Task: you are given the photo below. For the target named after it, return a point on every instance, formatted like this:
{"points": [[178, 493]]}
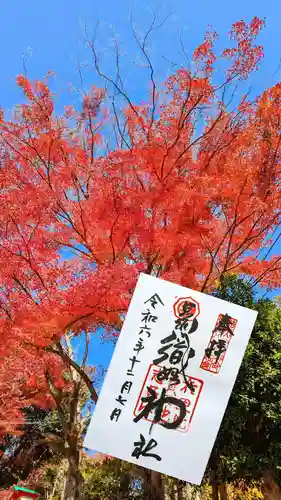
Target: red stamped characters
{"points": [[219, 343], [186, 307], [168, 404]]}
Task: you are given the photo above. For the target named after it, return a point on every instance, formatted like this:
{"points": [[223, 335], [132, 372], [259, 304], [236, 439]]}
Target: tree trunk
{"points": [[72, 426], [214, 484], [223, 491], [215, 491], [213, 463], [74, 480], [157, 485], [180, 487], [270, 489], [153, 485]]}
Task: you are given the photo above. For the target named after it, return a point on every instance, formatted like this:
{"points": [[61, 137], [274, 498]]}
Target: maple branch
{"points": [[111, 231], [116, 115], [6, 311], [267, 271], [26, 158], [142, 47], [86, 352], [181, 124], [87, 315], [207, 132], [229, 230], [219, 149], [121, 132], [234, 224], [249, 240], [231, 267], [106, 77], [213, 258], [92, 135], [57, 396], [198, 139], [46, 165], [151, 262], [28, 259], [75, 180], [272, 246], [59, 351], [83, 316], [74, 401], [74, 248], [25, 290], [65, 215]]}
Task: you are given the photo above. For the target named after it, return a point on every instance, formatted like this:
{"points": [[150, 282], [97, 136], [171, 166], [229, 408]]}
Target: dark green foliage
{"points": [[236, 290], [27, 451], [249, 441], [112, 479]]}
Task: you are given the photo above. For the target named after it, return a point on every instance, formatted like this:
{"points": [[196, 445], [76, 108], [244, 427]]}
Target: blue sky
{"points": [[51, 35]]}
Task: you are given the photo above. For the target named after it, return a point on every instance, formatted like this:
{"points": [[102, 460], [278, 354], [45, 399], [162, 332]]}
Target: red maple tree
{"points": [[189, 191]]}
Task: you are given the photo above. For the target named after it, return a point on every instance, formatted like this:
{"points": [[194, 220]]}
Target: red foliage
{"points": [[6, 494], [194, 194]]}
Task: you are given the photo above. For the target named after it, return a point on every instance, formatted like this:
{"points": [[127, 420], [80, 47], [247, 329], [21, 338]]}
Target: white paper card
{"points": [[170, 378]]}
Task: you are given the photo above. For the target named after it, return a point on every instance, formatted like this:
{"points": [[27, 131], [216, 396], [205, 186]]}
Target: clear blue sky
{"points": [[52, 35]]}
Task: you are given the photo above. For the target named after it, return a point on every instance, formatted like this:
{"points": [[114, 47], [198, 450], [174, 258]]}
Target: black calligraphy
{"points": [[217, 347], [157, 405], [143, 449], [148, 318], [154, 300], [224, 324]]}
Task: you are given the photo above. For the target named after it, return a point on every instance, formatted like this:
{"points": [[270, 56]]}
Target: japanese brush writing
{"points": [[219, 342], [170, 379], [169, 397], [176, 352], [148, 318]]}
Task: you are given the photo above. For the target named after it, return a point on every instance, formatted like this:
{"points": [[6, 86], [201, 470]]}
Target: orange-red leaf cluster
{"points": [[191, 190]]}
